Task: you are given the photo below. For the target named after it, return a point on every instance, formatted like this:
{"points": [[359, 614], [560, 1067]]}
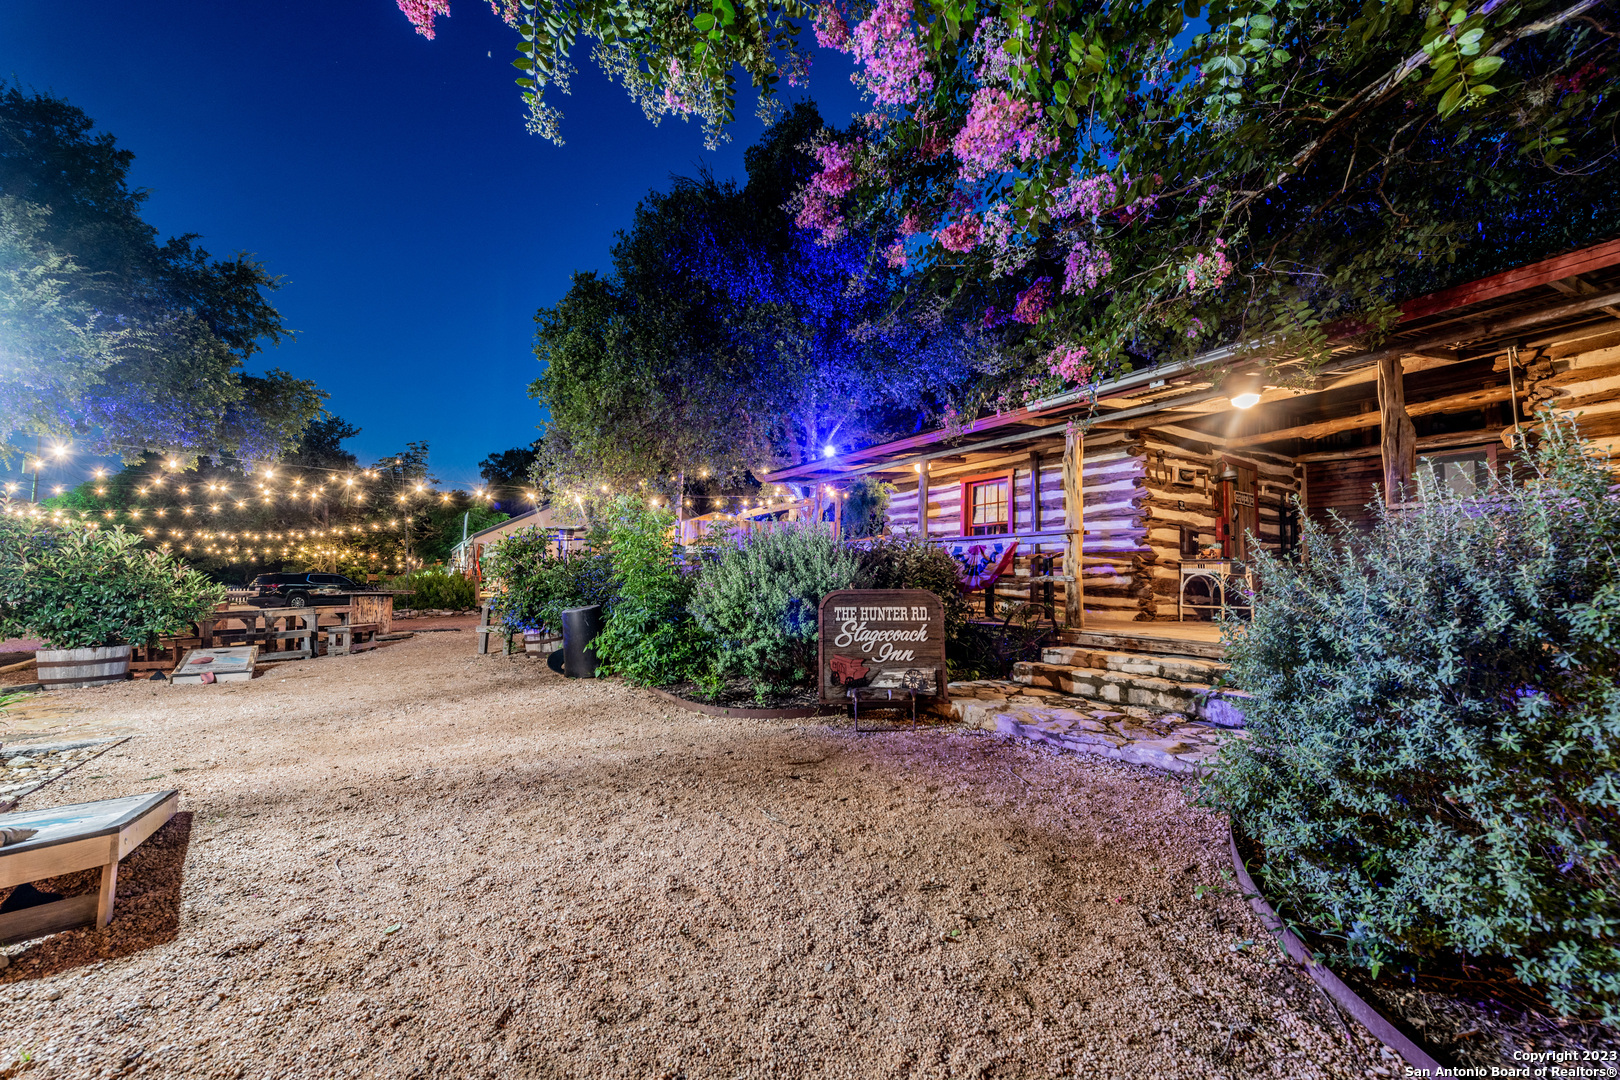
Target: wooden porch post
{"points": [[1034, 491], [922, 500], [1398, 436], [1074, 521]]}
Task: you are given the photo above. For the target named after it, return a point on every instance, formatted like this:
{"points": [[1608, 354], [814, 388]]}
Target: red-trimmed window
{"points": [[986, 501]]}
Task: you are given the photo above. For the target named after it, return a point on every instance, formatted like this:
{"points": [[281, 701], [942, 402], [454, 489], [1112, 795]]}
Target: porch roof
{"points": [[1570, 297]]}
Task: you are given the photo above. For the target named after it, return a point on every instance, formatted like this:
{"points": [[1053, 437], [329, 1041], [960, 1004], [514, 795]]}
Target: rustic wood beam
{"points": [[1425, 444], [1034, 491], [1398, 439], [1579, 375], [1474, 399], [922, 500], [1579, 286], [1074, 521]]}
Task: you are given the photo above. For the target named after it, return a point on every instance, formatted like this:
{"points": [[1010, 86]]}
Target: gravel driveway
{"points": [[419, 862]]}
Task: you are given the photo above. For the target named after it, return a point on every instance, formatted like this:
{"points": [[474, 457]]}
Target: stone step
{"points": [[1133, 641], [1193, 699], [1170, 743], [1175, 668]]}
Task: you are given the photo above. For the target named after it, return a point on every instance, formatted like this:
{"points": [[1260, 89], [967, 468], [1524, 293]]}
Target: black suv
{"points": [[296, 589]]}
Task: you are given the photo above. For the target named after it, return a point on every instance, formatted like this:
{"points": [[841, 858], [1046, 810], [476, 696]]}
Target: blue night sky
{"points": [[388, 179]]}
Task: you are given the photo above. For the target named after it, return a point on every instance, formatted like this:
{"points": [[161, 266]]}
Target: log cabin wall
{"points": [[1118, 578], [1580, 379], [1181, 484]]}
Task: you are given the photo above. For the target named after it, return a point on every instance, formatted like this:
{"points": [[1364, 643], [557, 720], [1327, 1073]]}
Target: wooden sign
{"points": [[881, 639]]}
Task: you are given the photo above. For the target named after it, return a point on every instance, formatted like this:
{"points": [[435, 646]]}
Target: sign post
{"points": [[881, 639]]}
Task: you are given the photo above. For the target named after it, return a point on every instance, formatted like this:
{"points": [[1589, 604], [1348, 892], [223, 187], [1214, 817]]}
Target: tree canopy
{"points": [[107, 334], [728, 339], [1113, 184]]}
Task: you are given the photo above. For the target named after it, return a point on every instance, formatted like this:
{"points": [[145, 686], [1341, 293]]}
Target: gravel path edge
{"points": [[799, 713], [1347, 999]]}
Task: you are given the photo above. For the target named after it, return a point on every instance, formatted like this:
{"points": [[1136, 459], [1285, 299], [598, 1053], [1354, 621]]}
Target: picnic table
{"points": [[284, 633], [71, 838], [281, 633]]}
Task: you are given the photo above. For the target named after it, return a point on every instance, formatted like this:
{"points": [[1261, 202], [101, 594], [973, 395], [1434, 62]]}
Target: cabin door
{"points": [[1240, 515]]}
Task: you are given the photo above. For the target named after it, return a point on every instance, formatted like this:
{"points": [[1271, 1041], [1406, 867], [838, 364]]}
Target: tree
{"points": [[728, 340], [507, 474], [1133, 182], [111, 336], [316, 509]]}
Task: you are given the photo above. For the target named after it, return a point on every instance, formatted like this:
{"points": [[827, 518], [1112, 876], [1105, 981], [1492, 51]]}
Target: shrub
{"points": [[435, 587], [866, 511], [79, 589], [535, 585], [909, 562], [649, 636], [758, 597], [1433, 764]]}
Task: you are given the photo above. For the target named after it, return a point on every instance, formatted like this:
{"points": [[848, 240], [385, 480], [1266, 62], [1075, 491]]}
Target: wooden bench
{"points": [[70, 839], [340, 640]]}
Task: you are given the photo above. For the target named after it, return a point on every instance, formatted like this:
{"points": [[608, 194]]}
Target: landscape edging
{"points": [[801, 712], [1347, 999]]}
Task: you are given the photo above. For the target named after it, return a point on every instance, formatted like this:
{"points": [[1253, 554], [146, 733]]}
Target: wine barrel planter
{"points": [[64, 669]]}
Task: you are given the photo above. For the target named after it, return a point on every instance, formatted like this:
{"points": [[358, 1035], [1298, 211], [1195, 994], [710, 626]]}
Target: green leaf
{"points": [[1281, 56], [1451, 98], [1485, 66], [704, 22]]}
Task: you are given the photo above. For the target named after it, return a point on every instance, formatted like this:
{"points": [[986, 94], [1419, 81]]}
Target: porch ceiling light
{"points": [[1245, 391]]}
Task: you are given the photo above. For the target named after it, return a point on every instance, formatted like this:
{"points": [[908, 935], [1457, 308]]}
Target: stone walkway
{"points": [[25, 769], [1166, 741]]}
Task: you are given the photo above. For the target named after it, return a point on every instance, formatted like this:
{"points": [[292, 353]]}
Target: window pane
{"points": [[1464, 474], [990, 503]]}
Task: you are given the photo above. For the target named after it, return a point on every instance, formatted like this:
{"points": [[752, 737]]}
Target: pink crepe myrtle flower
{"points": [[895, 255], [996, 65], [819, 199], [1210, 271], [885, 45], [913, 223], [1085, 266], [1085, 196], [999, 128], [421, 13], [1195, 327], [832, 32], [675, 91], [1071, 363], [961, 235], [1032, 303]]}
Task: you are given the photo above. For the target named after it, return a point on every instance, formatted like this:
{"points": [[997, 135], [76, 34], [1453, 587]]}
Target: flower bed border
{"points": [[800, 712], [1382, 1027]]}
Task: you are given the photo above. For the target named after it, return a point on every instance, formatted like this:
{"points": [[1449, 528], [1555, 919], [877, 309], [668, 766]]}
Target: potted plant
{"points": [[89, 594]]}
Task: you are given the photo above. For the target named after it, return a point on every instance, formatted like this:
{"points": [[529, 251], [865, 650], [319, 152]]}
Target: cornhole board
{"points": [[73, 838], [232, 663]]}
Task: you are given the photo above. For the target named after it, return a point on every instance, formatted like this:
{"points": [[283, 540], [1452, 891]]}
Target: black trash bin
{"points": [[580, 626]]}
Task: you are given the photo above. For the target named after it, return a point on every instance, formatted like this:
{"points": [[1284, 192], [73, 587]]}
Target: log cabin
{"points": [[1134, 501]]}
